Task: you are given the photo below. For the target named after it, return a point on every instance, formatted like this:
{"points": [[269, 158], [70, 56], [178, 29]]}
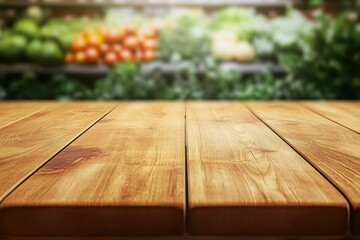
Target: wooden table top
{"points": [[177, 168]]}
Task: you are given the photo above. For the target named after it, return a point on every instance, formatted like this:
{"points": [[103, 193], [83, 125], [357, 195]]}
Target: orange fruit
{"points": [[95, 40], [130, 42], [111, 58], [127, 55], [92, 54], [150, 44], [80, 57], [148, 55], [116, 48], [104, 48], [79, 44], [114, 36]]}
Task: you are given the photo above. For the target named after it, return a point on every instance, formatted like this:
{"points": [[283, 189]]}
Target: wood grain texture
{"points": [[334, 150], [124, 176], [244, 180], [31, 141], [346, 114], [14, 111]]}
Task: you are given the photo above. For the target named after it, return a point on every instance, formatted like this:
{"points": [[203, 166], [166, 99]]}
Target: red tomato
{"points": [[104, 48], [95, 40], [131, 43], [127, 55], [79, 44], [80, 57], [148, 55], [150, 44], [116, 48], [114, 36], [111, 58], [92, 54]]}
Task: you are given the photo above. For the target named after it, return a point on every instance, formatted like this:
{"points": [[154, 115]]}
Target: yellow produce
{"points": [[226, 46], [244, 52]]}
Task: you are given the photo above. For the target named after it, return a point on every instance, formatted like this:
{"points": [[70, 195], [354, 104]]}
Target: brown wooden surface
{"points": [[244, 180], [14, 111], [124, 176], [346, 114], [29, 142], [333, 149]]}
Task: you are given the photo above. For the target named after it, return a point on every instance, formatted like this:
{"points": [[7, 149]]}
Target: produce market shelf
{"points": [[141, 3], [166, 68]]}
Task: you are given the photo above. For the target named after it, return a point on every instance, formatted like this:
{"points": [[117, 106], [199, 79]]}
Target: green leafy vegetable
{"points": [[325, 62], [187, 39], [244, 22]]}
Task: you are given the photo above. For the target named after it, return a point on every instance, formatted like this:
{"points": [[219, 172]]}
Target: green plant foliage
{"points": [[60, 87], [2, 89], [282, 34], [321, 57], [27, 87], [122, 82], [244, 22], [263, 86], [64, 88], [324, 63], [128, 81], [187, 39]]}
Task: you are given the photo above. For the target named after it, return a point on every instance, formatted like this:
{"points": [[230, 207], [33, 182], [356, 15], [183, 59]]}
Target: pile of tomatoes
{"points": [[92, 46]]}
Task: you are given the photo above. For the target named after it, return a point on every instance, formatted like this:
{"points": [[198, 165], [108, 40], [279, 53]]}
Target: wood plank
{"points": [[14, 111], [244, 180], [124, 176], [331, 148], [346, 114], [29, 142]]}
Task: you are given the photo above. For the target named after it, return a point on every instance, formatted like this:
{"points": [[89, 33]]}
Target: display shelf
{"points": [[166, 68], [253, 68], [97, 70]]}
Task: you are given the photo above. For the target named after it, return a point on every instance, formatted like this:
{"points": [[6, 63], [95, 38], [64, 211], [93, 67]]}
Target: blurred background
{"points": [[179, 49]]}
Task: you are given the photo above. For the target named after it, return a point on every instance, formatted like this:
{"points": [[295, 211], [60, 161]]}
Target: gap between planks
{"points": [[186, 171]]}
